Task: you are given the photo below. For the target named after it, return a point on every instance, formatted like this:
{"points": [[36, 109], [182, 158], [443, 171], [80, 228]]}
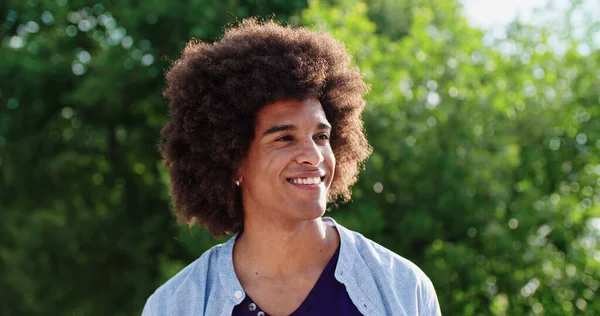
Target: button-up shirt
{"points": [[327, 297], [378, 281]]}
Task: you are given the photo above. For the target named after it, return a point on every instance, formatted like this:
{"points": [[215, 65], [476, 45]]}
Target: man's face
{"points": [[290, 164]]}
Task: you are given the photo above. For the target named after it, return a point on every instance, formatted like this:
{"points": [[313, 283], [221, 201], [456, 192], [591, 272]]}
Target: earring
{"points": [[237, 182]]}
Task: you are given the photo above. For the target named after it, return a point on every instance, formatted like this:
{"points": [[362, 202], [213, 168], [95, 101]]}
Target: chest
{"points": [[281, 297], [300, 297]]}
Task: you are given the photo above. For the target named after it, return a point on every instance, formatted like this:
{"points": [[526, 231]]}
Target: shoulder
{"points": [[398, 279], [189, 285], [378, 257]]}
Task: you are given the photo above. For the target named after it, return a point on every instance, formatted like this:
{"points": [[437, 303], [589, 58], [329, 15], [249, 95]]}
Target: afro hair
{"points": [[215, 91]]}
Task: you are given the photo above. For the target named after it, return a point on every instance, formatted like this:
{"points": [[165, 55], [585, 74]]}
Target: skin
{"points": [[285, 244]]}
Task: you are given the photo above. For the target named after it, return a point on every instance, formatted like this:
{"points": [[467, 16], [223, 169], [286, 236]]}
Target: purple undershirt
{"points": [[327, 297]]}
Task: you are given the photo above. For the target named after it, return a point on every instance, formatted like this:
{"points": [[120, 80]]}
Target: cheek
{"points": [[329, 157], [274, 161]]}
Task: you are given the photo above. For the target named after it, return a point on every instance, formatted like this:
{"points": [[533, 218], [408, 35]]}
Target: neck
{"points": [[276, 248]]}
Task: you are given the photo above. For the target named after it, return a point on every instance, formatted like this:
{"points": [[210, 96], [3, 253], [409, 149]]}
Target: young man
{"points": [[265, 130]]}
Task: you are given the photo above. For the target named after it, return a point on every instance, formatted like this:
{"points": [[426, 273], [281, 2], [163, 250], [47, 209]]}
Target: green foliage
{"points": [[85, 226], [485, 164], [485, 169]]}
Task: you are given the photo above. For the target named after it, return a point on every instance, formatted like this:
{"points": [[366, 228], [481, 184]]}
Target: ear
{"points": [[239, 175], [239, 170], [239, 180]]}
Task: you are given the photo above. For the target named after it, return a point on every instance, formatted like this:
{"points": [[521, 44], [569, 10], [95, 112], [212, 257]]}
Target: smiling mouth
{"points": [[307, 181]]}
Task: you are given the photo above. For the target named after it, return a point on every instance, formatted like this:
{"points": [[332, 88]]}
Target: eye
{"points": [[323, 136], [286, 138]]}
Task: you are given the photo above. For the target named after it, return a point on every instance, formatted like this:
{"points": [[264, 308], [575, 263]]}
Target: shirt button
{"points": [[237, 294], [252, 307], [260, 314]]}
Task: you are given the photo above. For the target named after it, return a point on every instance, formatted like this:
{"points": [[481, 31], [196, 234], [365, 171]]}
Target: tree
{"points": [[483, 169], [484, 172], [85, 223]]}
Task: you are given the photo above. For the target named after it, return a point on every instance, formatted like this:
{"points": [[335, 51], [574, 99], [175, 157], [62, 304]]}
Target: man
{"points": [[265, 130]]}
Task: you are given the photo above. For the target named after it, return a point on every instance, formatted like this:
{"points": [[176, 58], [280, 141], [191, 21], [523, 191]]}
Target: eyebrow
{"points": [[284, 128]]}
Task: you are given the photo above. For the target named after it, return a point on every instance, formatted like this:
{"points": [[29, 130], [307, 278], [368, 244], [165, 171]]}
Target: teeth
{"points": [[315, 180]]}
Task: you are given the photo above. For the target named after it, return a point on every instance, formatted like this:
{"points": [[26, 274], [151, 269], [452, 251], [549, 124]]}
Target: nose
{"points": [[310, 153]]}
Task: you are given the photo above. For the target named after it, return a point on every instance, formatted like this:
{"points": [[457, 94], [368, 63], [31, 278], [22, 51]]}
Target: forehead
{"points": [[290, 111]]}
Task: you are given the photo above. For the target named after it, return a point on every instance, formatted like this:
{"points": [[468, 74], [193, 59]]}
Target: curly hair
{"points": [[216, 89]]}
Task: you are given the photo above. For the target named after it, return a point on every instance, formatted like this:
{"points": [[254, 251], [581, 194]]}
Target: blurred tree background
{"points": [[485, 171]]}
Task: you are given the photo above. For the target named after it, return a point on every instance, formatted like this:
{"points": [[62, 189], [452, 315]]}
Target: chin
{"points": [[312, 212]]}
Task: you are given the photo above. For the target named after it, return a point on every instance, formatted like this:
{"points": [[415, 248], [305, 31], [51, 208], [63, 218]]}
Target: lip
{"points": [[312, 174], [309, 187], [309, 174]]}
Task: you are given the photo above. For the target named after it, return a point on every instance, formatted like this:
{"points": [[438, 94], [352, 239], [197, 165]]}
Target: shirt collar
{"points": [[349, 268], [354, 273], [231, 285]]}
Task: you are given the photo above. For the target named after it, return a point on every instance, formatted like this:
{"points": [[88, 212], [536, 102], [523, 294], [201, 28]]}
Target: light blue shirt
{"points": [[378, 281]]}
